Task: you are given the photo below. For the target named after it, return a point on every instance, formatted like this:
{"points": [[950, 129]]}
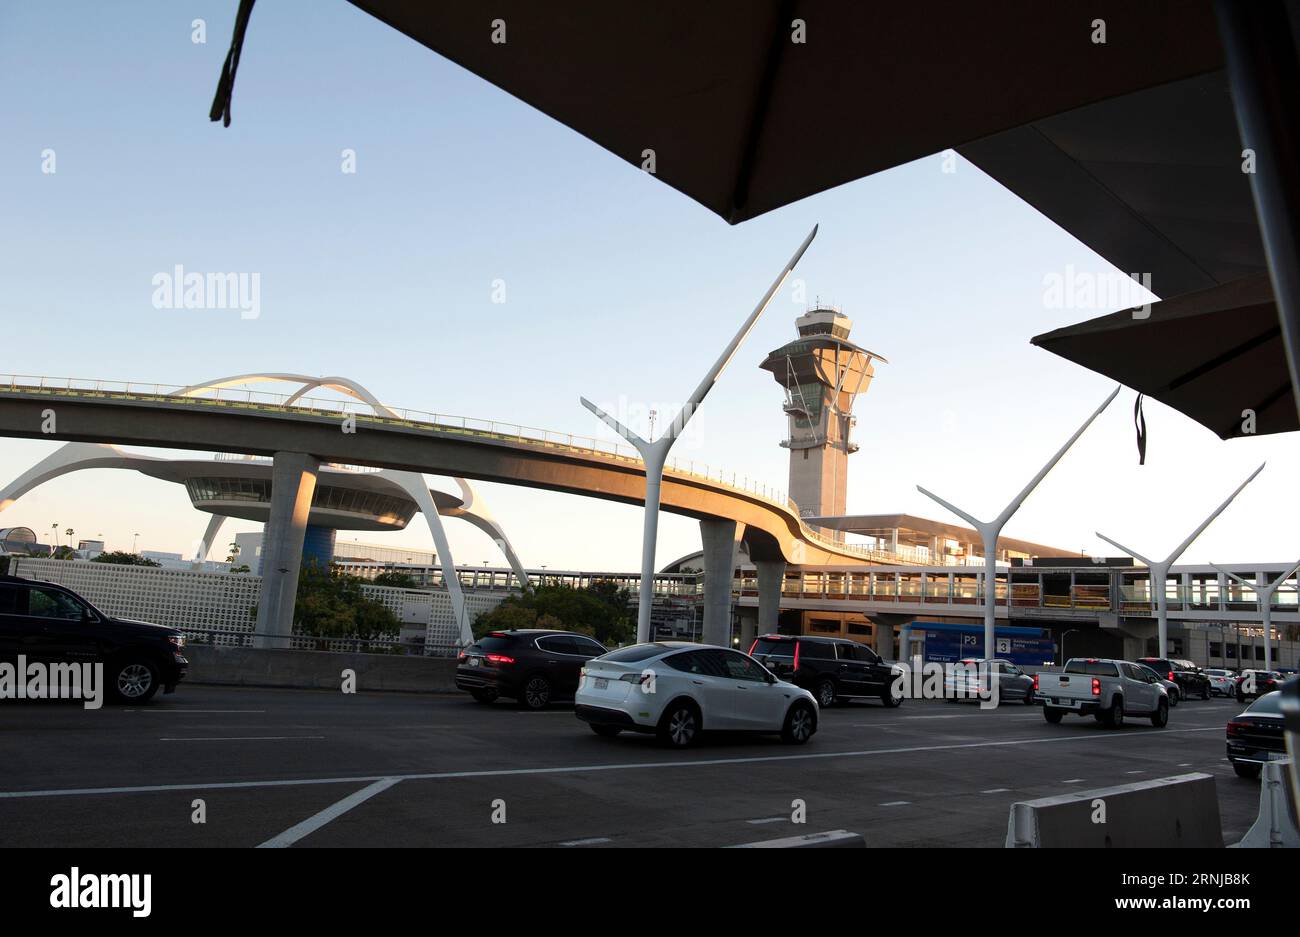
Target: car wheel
{"points": [[484, 696], [537, 692], [800, 724], [1114, 717], [888, 698], [1246, 769], [826, 694], [1052, 715], [606, 732], [1174, 697], [132, 680], [1160, 718], [679, 725], [1029, 697]]}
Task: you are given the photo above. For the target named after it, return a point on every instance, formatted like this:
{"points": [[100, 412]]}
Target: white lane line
{"points": [[186, 712], [997, 790], [953, 716], [895, 803], [578, 769], [768, 820], [250, 738], [1185, 764], [330, 813], [1072, 780], [1139, 771], [587, 842]]}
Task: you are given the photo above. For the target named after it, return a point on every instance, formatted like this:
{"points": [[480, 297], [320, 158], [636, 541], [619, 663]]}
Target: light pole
{"points": [[1264, 596], [989, 531], [1063, 634], [654, 453], [1159, 571]]}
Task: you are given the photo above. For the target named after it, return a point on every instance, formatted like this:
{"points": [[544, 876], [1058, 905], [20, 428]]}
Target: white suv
{"points": [[676, 690]]}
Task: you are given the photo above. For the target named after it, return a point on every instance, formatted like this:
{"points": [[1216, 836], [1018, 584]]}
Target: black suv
{"points": [[1191, 682], [832, 669], [47, 623], [533, 666]]}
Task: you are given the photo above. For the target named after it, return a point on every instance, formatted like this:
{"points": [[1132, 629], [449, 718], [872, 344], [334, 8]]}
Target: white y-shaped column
{"points": [[1159, 571], [414, 485], [205, 545], [989, 531], [473, 509], [1264, 595], [654, 454]]}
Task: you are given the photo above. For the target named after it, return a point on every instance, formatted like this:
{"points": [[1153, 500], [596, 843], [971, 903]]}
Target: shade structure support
{"points": [[1264, 73], [654, 454], [1264, 595], [1158, 570], [989, 531]]}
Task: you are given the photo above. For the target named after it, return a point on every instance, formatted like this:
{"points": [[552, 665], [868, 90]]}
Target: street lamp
{"points": [[1063, 634]]}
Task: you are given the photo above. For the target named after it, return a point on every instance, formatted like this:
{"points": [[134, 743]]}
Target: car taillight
{"points": [[462, 656], [1096, 687], [1237, 728], [1171, 676], [796, 655], [500, 659], [1035, 683], [637, 678], [752, 646]]}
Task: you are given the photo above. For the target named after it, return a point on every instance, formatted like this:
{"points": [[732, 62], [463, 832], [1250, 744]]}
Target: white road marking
{"points": [[587, 842], [332, 812], [249, 738], [189, 711], [1072, 780], [577, 769], [997, 790], [768, 820], [896, 803]]}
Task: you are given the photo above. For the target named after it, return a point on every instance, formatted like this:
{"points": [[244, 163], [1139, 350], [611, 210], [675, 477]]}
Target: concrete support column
{"points": [[771, 582], [904, 644], [884, 639], [721, 539], [293, 482]]}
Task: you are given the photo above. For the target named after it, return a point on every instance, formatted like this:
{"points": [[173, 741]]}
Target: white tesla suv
{"points": [[676, 690]]}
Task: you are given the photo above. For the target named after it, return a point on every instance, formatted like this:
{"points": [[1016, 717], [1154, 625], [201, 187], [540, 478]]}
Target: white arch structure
{"points": [[78, 456]]}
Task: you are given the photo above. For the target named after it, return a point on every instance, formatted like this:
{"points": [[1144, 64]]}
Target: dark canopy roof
{"points": [[744, 120], [1151, 180], [1212, 354]]}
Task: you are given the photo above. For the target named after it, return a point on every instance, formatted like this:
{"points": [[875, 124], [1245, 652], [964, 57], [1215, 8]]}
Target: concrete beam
{"points": [[721, 547], [293, 482]]}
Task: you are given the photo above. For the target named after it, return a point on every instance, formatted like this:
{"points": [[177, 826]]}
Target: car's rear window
{"points": [[637, 652], [1097, 668], [817, 650], [1270, 704], [773, 647], [494, 642]]}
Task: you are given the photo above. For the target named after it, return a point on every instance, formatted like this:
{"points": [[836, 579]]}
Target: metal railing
{"points": [[587, 446], [230, 637]]}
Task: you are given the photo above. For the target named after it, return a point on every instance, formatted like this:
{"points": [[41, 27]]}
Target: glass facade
{"points": [[387, 509]]}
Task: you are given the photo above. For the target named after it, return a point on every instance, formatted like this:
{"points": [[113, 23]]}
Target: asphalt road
{"points": [[319, 768]]}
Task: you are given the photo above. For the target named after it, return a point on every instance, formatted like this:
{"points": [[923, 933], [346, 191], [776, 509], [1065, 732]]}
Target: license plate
{"points": [[602, 683], [475, 661]]}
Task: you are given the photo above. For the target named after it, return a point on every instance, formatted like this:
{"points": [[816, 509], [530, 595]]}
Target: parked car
{"points": [[834, 670], [48, 623], [1172, 688], [676, 690], [1192, 682], [967, 682], [533, 666], [1106, 689], [1252, 684], [1222, 682], [1256, 736]]}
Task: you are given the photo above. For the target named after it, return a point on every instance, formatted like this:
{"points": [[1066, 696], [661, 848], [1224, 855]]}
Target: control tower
{"points": [[822, 372]]}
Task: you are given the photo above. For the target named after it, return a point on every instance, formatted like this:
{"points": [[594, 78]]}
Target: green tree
{"points": [[123, 558], [400, 580], [601, 611], [332, 605]]}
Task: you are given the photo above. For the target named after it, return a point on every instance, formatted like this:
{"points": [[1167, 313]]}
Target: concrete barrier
{"points": [[275, 667], [834, 839], [1276, 825], [1176, 811]]}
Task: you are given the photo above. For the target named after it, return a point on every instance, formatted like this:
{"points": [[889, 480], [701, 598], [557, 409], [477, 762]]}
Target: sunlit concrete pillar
{"points": [[771, 581], [293, 483], [721, 541]]}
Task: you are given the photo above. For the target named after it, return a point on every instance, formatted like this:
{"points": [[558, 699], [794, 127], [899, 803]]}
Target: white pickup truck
{"points": [[1108, 690]]}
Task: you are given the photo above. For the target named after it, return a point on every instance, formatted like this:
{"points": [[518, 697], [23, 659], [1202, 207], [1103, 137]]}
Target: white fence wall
{"points": [[197, 602]]}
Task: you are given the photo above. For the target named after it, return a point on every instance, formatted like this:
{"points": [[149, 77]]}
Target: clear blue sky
{"points": [[617, 287]]}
